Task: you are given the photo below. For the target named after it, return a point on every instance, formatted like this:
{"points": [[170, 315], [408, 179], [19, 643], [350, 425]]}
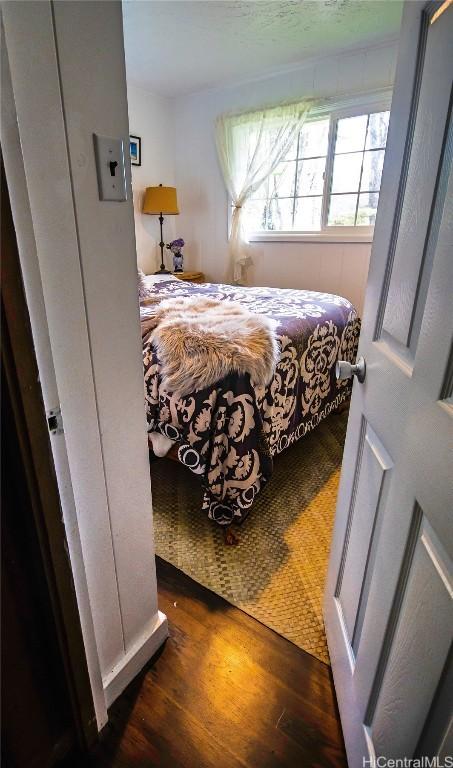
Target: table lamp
{"points": [[160, 200]]}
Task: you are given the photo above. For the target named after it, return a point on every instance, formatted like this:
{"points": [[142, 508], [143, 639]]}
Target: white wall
{"points": [[337, 268], [151, 118], [80, 264]]}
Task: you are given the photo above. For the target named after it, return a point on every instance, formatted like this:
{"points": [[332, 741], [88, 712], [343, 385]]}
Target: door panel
{"points": [[388, 604], [373, 470], [419, 648], [432, 106], [439, 723]]}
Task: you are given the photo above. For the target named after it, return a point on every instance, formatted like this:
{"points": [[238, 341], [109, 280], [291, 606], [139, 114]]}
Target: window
{"points": [[329, 181], [358, 159]]}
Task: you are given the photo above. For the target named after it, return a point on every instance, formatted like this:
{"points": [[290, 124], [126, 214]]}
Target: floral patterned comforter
{"points": [[229, 433]]}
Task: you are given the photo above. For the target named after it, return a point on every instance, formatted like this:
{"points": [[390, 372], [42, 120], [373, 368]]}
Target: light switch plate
{"points": [[111, 172]]}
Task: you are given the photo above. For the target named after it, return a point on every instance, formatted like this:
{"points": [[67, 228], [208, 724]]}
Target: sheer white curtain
{"points": [[250, 146]]}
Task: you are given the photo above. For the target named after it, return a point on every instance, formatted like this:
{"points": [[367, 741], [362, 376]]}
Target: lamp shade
{"points": [[160, 200]]}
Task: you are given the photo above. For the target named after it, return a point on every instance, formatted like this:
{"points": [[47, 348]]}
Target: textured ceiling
{"points": [[180, 46]]}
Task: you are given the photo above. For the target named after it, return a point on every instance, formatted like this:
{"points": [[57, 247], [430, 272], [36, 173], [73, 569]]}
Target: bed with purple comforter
{"points": [[229, 433]]}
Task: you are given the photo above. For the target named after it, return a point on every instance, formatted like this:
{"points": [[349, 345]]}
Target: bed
{"points": [[229, 433]]}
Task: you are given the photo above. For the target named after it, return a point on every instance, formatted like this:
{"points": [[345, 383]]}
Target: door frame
{"points": [[20, 366], [78, 263]]}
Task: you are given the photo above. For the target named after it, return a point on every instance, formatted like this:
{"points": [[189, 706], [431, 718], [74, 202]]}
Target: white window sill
{"points": [[311, 237]]}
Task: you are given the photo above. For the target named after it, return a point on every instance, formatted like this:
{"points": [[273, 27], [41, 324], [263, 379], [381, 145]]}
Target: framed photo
{"points": [[135, 148]]}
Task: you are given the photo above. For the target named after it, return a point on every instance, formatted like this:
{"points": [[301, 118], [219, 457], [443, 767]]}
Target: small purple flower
{"points": [[176, 245]]}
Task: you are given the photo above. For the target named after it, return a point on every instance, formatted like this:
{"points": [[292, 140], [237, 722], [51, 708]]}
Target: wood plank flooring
{"points": [[225, 692]]}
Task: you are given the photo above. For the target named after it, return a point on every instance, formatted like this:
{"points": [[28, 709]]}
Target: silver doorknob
{"points": [[345, 370]]}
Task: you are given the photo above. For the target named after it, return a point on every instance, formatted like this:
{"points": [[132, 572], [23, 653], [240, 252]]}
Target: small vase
{"points": [[178, 261]]}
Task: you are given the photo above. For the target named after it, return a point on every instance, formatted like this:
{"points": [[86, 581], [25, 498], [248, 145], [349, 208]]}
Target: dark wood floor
{"points": [[224, 692]]}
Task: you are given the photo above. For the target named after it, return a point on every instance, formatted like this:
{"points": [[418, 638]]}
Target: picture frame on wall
{"points": [[135, 149]]}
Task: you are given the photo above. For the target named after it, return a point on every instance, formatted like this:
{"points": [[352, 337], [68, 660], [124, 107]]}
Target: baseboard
{"points": [[135, 659]]}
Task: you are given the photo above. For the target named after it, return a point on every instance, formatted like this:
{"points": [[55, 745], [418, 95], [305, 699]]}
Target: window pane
{"points": [[372, 170], [280, 214], [281, 182], [268, 215], [377, 130], [346, 172], [307, 214], [351, 134], [292, 152], [342, 210], [261, 192], [310, 179], [366, 212], [313, 139], [256, 215]]}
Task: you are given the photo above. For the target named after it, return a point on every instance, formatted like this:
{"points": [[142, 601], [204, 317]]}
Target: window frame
{"points": [[329, 233]]}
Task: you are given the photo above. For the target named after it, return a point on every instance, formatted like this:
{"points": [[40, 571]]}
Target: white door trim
{"points": [[81, 283], [20, 206]]}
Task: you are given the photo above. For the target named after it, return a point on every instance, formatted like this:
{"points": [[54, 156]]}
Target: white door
{"points": [[388, 602]]}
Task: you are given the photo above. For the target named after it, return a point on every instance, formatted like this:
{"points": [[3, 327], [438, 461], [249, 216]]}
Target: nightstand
{"points": [[193, 277]]}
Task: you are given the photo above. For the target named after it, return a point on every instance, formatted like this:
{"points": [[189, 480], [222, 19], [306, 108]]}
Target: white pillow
{"points": [[151, 279], [146, 283]]}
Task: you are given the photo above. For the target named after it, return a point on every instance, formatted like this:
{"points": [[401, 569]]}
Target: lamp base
{"points": [[162, 272]]}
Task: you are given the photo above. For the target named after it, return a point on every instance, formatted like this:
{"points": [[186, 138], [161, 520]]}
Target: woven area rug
{"points": [[277, 572]]}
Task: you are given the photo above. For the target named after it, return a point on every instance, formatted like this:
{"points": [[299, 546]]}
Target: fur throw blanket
{"points": [[200, 340]]}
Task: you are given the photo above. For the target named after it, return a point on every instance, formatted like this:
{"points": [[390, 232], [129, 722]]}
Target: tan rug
{"points": [[277, 572]]}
